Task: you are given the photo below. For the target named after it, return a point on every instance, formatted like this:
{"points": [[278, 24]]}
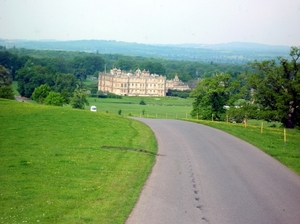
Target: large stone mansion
{"points": [[139, 83]]}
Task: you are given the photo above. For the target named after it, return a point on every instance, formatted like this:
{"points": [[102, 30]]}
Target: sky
{"points": [[273, 22]]}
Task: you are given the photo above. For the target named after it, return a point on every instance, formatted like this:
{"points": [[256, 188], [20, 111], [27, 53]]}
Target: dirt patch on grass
{"points": [[131, 149]]}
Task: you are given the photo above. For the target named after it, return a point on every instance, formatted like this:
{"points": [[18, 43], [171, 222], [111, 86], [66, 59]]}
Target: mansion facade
{"points": [[139, 83]]}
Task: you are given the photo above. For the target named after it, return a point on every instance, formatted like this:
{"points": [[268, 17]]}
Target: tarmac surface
{"points": [[204, 175]]}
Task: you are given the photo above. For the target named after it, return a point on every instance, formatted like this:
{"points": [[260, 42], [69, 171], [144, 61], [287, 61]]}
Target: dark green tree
{"points": [[66, 96], [142, 102], [84, 66], [60, 64], [277, 88], [211, 94], [126, 65], [5, 77], [239, 89], [94, 63], [11, 62], [32, 76], [80, 74], [65, 82], [154, 67], [7, 92]]}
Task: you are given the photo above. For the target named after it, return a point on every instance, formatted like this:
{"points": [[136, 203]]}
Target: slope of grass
{"points": [[60, 165], [270, 140]]}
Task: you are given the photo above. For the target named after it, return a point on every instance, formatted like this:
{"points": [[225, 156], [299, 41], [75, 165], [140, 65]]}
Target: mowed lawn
{"points": [[156, 107], [61, 165]]}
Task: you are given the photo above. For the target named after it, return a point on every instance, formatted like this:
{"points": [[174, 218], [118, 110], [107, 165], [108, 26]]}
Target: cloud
{"points": [[153, 21]]}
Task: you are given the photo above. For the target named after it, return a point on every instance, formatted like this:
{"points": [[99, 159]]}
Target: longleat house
{"points": [[139, 83]]}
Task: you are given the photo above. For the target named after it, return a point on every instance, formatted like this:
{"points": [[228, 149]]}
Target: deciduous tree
{"points": [[54, 99], [79, 99], [5, 77], [40, 93], [211, 94], [154, 67], [84, 66], [32, 76], [126, 65], [65, 82], [277, 88], [7, 92]]}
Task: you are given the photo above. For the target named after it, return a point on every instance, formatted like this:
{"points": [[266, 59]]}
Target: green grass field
{"points": [[61, 165], [156, 107]]}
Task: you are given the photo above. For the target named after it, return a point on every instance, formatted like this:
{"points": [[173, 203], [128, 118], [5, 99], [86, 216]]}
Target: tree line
{"points": [[67, 61], [58, 75], [266, 90], [65, 71], [271, 92]]}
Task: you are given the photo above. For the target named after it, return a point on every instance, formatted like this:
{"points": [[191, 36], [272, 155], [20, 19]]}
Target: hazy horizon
{"points": [[158, 44]]}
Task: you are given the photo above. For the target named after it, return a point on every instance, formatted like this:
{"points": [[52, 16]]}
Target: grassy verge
{"points": [[57, 166], [270, 140]]}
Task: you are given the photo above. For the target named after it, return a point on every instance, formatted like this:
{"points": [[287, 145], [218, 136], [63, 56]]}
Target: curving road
{"points": [[204, 175]]}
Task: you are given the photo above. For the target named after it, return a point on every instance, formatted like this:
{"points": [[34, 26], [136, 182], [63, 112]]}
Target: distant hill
{"points": [[234, 52], [240, 46]]}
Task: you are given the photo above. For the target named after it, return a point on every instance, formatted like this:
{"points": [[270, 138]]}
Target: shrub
{"points": [[54, 99], [79, 99], [40, 93], [142, 102], [7, 92]]}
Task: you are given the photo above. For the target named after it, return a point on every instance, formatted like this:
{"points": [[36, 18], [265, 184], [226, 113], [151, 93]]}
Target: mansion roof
{"points": [[137, 73]]}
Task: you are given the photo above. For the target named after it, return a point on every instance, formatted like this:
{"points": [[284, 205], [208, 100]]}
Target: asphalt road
{"points": [[204, 175]]}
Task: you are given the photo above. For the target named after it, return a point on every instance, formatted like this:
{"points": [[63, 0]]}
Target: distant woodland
{"points": [[83, 64], [267, 89]]}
